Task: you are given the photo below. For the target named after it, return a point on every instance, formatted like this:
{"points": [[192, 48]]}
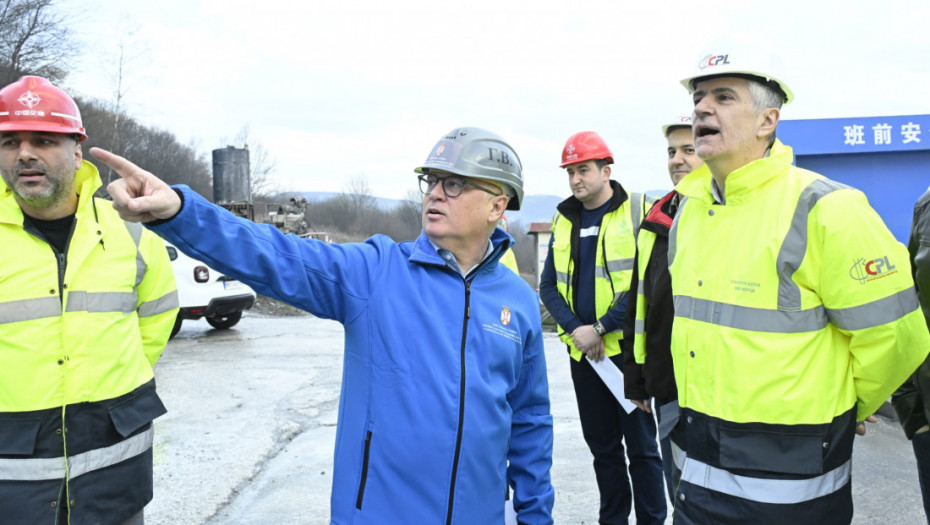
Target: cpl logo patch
{"points": [[865, 271], [440, 149], [714, 60], [505, 316]]}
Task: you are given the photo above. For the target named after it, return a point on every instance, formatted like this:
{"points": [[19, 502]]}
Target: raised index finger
{"points": [[120, 165]]}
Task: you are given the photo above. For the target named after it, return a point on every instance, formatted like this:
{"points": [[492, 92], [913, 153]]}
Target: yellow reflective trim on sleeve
{"points": [[163, 304], [875, 313]]}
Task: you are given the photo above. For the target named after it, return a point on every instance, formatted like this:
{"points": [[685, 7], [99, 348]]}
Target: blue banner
{"points": [[856, 135]]}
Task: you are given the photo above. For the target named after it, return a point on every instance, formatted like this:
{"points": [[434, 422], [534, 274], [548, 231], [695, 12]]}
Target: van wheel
{"points": [[223, 322], [176, 328]]}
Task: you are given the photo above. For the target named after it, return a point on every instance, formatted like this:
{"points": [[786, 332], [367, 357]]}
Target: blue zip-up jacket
{"points": [[444, 379]]}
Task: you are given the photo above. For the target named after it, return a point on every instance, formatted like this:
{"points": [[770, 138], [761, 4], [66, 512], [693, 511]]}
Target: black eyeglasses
{"points": [[452, 186]]}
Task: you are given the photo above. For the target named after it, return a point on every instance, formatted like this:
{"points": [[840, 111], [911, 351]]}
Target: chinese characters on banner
{"points": [[882, 134]]}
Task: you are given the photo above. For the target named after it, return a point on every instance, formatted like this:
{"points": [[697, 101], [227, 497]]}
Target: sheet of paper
{"points": [[613, 378], [510, 517]]}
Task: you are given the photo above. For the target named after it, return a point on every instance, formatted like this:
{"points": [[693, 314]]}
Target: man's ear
{"points": [[498, 207], [78, 156], [607, 171], [770, 118]]}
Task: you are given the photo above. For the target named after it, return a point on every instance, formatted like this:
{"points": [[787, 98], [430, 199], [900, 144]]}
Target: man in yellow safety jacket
{"points": [[86, 305], [584, 285], [647, 330], [795, 311]]}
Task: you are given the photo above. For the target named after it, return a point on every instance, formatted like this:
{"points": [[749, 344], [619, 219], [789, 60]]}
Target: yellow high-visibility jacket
{"points": [[79, 334], [795, 316], [510, 261], [613, 266]]}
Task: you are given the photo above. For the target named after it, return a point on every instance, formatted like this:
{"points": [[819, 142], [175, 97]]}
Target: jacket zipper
{"points": [[458, 437], [361, 485]]}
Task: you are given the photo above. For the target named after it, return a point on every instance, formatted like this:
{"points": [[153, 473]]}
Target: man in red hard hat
{"points": [[584, 284], [86, 305]]}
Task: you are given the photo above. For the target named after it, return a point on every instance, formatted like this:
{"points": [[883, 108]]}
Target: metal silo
{"points": [[231, 183]]}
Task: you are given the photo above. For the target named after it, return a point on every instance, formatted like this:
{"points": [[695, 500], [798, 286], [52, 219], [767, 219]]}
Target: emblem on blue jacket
{"points": [[505, 316]]}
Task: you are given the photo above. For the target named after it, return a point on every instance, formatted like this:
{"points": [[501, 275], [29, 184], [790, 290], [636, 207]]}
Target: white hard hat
{"points": [[739, 56], [683, 121]]}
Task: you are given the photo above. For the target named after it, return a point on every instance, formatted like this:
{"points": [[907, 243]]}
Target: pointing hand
{"points": [[138, 195]]}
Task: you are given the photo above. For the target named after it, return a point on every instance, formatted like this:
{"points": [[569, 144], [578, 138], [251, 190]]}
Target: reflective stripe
{"points": [[29, 309], [747, 318], [678, 455], [673, 232], [620, 265], [97, 302], [37, 469], [636, 211], [135, 231], [141, 268], [562, 277], [620, 296], [640, 326], [793, 248], [877, 312], [165, 303], [778, 491]]}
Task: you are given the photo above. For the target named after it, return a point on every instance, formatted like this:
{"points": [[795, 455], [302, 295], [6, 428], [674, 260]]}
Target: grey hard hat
{"points": [[476, 152]]}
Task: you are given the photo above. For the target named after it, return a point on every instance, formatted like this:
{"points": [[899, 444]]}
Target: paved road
{"points": [[249, 435]]}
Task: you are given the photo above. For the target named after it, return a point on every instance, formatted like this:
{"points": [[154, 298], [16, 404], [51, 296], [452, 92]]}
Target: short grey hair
{"points": [[765, 96]]}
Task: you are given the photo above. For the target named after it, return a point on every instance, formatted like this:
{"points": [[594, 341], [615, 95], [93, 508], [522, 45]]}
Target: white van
{"points": [[205, 292]]}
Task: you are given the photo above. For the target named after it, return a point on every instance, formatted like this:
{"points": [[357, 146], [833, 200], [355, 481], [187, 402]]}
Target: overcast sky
{"points": [[334, 90]]}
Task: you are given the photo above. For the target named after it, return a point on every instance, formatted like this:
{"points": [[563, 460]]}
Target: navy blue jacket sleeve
{"points": [[555, 303]]}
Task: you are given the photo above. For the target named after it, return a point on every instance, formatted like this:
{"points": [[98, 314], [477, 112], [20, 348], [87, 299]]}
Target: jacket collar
{"points": [[660, 216], [86, 182], [744, 183], [424, 253]]}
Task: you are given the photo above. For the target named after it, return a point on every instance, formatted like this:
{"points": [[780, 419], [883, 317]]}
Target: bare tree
{"points": [[128, 53], [358, 193], [34, 39], [261, 164]]}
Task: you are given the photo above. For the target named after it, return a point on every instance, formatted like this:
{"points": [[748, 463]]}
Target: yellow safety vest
{"points": [[645, 240], [613, 267], [794, 311], [97, 336], [510, 261]]}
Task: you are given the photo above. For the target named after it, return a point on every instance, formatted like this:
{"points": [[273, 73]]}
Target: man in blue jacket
{"points": [[445, 397]]}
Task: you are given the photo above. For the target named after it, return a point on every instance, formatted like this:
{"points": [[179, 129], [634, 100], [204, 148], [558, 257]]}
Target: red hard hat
{"points": [[584, 146], [34, 104]]}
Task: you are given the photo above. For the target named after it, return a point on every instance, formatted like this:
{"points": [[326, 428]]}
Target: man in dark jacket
{"points": [[647, 356], [912, 400]]}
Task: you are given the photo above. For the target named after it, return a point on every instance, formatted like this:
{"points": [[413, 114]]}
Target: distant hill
{"points": [[535, 208]]}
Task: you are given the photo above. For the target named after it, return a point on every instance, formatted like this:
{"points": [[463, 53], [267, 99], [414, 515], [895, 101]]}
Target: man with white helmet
{"points": [[647, 331], [87, 303], [444, 380], [584, 285], [795, 311]]}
